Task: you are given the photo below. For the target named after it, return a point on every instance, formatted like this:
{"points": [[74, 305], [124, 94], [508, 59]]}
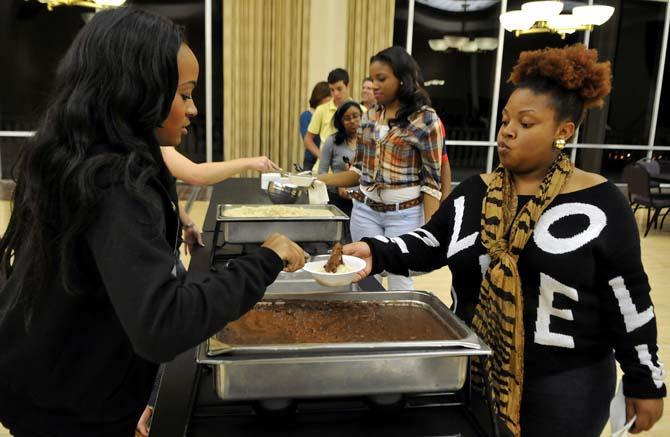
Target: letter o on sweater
{"points": [[551, 244]]}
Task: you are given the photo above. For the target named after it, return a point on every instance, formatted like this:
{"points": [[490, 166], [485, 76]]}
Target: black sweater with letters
{"points": [[585, 291], [90, 360]]}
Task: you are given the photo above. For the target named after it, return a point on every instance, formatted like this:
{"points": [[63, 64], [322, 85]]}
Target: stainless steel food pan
{"points": [[461, 335], [300, 229], [323, 372]]}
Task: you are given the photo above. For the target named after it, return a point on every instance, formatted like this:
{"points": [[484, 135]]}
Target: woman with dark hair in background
{"points": [[90, 301], [398, 160], [320, 95], [339, 150], [546, 263]]}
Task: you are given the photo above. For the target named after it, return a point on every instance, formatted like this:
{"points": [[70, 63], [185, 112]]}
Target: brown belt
{"points": [[384, 207]]}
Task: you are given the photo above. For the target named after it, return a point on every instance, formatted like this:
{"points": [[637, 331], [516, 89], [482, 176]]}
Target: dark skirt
{"points": [[571, 403]]}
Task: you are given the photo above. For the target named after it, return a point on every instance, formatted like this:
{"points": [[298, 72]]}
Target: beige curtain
{"points": [[369, 30], [265, 63]]}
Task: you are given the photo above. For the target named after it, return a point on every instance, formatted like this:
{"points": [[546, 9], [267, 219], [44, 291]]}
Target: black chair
{"points": [[664, 166], [653, 168], [639, 194]]}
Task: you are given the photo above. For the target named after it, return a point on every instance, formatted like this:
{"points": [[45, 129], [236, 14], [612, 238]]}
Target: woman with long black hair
{"points": [[90, 301], [398, 160]]}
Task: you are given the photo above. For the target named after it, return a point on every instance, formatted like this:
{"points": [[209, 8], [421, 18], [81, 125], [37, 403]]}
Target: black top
{"points": [[585, 291], [92, 359]]}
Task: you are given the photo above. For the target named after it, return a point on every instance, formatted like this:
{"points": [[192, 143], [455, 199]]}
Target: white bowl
{"points": [[301, 180], [315, 268]]}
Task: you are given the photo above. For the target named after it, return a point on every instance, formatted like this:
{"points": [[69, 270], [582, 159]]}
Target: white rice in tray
{"points": [[276, 211]]}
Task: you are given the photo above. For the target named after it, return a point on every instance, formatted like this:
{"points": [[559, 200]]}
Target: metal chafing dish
{"points": [[345, 369], [301, 229]]}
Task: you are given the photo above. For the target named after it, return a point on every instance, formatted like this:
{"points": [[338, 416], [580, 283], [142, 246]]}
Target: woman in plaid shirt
{"points": [[397, 163]]}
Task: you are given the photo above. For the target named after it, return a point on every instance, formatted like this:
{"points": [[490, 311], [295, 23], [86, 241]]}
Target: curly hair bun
{"points": [[573, 68]]}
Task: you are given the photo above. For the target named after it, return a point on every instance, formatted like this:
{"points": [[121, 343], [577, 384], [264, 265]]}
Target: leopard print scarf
{"points": [[498, 317]]}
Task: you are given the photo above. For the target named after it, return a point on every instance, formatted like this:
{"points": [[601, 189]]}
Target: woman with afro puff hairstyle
{"points": [[546, 263]]}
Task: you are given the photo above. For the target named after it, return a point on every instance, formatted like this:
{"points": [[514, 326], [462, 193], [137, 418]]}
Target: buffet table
{"points": [[188, 405]]}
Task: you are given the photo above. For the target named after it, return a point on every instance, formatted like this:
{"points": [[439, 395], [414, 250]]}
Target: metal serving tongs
{"points": [[299, 171], [283, 173]]}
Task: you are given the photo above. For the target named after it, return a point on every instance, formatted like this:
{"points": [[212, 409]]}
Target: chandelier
{"points": [[463, 44], [467, 44], [95, 4], [459, 5], [545, 16]]}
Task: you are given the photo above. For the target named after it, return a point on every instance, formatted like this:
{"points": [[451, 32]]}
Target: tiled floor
{"points": [[655, 254]]}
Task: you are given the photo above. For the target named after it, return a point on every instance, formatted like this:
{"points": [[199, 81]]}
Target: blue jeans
{"points": [[366, 222]]}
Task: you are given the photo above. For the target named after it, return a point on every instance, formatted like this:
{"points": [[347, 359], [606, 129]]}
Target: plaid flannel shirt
{"points": [[405, 157]]}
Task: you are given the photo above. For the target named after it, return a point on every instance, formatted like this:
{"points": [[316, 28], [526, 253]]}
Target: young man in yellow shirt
{"points": [[321, 124]]}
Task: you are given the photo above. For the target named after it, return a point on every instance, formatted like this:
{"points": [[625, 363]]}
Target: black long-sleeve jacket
{"points": [[92, 359]]}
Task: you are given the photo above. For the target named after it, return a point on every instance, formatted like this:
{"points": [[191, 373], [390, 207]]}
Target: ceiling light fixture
{"points": [[459, 5], [545, 16], [95, 4], [463, 44]]}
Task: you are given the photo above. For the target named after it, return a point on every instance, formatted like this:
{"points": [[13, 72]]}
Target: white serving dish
{"points": [[315, 268]]}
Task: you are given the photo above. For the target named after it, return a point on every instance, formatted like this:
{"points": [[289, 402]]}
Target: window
{"points": [[459, 73], [662, 137], [35, 40], [400, 23], [631, 40]]}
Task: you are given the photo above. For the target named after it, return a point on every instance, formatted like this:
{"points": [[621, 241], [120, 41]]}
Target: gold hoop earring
{"points": [[559, 143]]}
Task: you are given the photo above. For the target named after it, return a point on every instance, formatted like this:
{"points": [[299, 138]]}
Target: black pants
{"points": [[346, 205], [119, 429], [26, 420], [308, 162], [571, 403]]}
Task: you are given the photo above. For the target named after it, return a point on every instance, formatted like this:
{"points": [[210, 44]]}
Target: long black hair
{"points": [[411, 94], [114, 86], [341, 134]]}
